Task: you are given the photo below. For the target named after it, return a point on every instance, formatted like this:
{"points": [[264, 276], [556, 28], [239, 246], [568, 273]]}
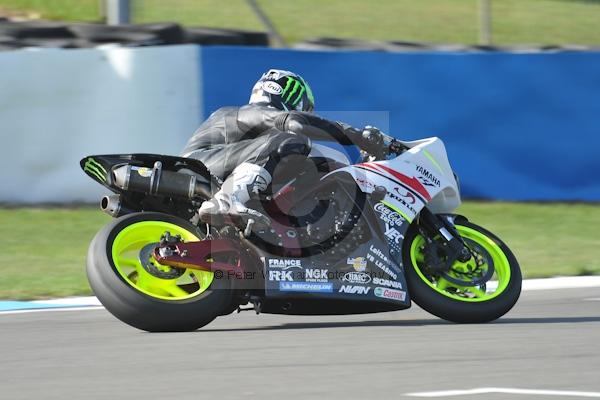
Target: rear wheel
{"points": [[479, 290], [142, 293]]}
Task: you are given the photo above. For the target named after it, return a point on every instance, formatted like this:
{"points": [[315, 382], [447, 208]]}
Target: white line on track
{"points": [[38, 310], [449, 393], [71, 301], [598, 299], [562, 282]]}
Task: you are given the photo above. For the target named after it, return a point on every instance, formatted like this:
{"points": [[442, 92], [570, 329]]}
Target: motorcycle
{"points": [[345, 239]]}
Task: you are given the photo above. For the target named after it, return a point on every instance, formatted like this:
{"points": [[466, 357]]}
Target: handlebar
{"points": [[382, 144], [397, 147]]}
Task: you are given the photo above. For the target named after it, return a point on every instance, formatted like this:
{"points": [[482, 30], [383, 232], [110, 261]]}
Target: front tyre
{"points": [[480, 290], [144, 294]]}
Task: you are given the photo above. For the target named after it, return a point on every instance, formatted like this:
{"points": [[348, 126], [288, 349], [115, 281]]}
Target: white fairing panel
{"points": [[420, 176]]}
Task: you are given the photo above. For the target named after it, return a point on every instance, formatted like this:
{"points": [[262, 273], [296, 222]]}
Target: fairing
{"points": [[370, 273], [420, 176], [320, 150], [373, 272]]}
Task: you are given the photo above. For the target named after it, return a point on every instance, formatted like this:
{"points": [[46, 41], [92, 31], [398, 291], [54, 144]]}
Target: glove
{"points": [[396, 147], [378, 143], [373, 141]]}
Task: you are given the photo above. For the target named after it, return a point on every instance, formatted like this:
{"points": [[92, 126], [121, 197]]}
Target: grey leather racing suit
{"points": [[261, 135]]}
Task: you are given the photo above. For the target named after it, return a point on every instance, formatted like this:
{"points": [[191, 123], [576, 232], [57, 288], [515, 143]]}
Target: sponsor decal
{"points": [[354, 289], [284, 264], [143, 171], [305, 287], [388, 215], [427, 178], [387, 282], [358, 263], [393, 234], [390, 293], [378, 253], [293, 91], [315, 275], [402, 201], [272, 87], [356, 277], [409, 182], [95, 169], [280, 276], [272, 74], [365, 185], [410, 198], [385, 268]]}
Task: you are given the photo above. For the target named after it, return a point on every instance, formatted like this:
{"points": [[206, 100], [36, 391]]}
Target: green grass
{"points": [[547, 239], [43, 250], [441, 21], [72, 10]]}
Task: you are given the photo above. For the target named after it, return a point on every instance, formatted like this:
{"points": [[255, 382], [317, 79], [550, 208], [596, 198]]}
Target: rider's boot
{"points": [[228, 205]]}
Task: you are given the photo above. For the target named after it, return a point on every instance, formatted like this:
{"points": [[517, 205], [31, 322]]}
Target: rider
{"points": [[242, 145]]}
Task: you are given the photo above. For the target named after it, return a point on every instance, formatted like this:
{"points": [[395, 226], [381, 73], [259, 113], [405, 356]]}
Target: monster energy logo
{"points": [[94, 168], [291, 87]]}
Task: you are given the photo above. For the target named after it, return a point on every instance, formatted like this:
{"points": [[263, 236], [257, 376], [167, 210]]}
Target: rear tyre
{"points": [[454, 296], [144, 294]]}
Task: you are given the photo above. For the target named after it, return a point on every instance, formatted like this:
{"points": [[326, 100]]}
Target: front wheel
{"points": [[480, 290], [144, 294]]}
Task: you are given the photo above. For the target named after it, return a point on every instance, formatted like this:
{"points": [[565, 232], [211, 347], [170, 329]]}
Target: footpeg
{"points": [[256, 305], [248, 230]]}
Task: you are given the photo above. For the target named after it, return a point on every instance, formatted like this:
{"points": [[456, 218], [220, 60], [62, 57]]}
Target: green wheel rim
{"points": [[480, 293], [126, 249]]}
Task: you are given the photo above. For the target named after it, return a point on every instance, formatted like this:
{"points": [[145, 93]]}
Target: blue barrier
{"points": [[516, 126]]}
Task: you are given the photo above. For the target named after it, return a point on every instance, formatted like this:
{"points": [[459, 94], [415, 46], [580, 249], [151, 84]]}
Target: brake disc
{"points": [[481, 257], [154, 268]]}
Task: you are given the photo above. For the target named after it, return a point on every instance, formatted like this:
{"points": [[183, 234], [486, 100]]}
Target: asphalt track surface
{"points": [[550, 341]]}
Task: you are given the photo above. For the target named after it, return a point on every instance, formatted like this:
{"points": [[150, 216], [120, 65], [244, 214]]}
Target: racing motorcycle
{"points": [[345, 239]]}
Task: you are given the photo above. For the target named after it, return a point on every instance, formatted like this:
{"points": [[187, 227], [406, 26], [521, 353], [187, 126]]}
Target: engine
{"points": [[335, 223]]}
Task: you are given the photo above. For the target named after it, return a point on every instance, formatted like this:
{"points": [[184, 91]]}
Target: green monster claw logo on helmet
{"points": [[283, 90]]}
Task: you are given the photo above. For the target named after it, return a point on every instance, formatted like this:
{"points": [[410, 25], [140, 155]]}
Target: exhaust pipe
{"points": [[112, 206], [156, 181]]}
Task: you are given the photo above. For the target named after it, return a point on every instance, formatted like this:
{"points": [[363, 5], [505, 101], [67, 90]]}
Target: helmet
{"points": [[283, 90]]}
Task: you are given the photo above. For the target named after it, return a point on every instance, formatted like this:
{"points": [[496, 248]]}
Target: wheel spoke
{"points": [[143, 279], [174, 290], [204, 279], [442, 284], [485, 276], [133, 242], [130, 262], [476, 291]]}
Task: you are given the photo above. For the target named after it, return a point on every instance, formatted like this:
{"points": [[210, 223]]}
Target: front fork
{"points": [[443, 238]]}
